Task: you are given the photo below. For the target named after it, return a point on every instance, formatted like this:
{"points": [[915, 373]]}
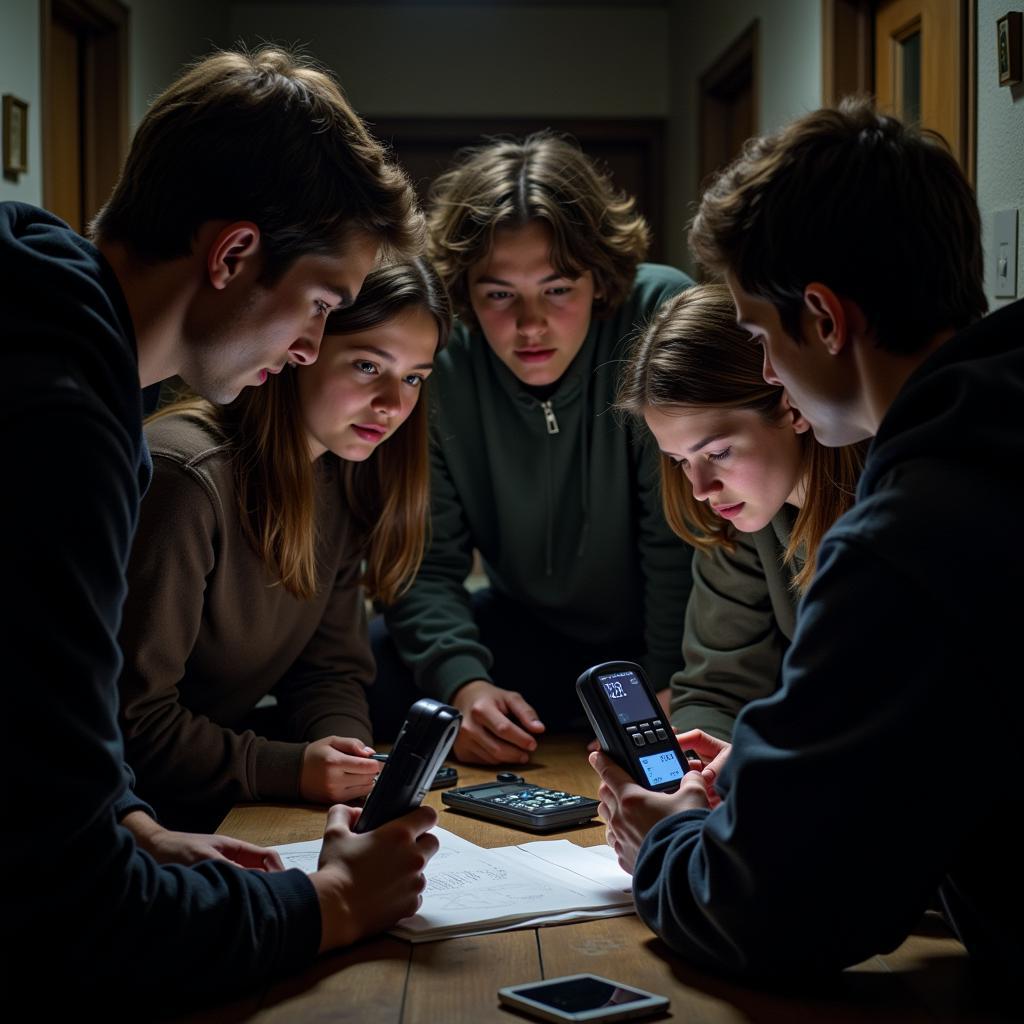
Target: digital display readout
{"points": [[627, 698], [661, 768]]}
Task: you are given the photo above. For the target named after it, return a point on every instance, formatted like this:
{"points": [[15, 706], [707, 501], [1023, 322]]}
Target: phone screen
{"points": [[625, 694], [579, 994], [659, 768]]}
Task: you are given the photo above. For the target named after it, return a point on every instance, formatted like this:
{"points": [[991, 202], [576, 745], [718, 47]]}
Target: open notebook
{"points": [[471, 890]]}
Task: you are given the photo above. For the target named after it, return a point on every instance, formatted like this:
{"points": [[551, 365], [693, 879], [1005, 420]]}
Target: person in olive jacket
{"points": [[745, 482]]}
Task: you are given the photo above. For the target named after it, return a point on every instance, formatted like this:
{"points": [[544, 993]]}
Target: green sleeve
{"points": [[732, 645], [432, 624]]}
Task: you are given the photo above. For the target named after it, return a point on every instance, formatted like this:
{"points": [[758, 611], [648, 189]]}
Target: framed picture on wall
{"points": [[1008, 40], [15, 132]]}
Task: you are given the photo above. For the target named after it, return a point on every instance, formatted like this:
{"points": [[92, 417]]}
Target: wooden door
{"points": [[919, 55], [915, 56]]}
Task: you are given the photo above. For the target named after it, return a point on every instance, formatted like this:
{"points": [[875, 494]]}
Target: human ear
{"points": [[827, 317], [796, 417], [233, 249]]}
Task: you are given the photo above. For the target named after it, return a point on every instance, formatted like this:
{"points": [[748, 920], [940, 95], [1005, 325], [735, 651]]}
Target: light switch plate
{"points": [[1004, 252]]}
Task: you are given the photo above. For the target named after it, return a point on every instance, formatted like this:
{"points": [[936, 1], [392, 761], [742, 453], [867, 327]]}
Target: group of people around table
{"points": [[765, 489]]}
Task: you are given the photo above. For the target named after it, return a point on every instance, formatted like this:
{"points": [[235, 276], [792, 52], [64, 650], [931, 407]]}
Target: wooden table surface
{"points": [[387, 981]]}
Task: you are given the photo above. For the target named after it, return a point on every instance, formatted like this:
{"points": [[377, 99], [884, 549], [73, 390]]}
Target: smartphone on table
{"points": [[582, 997]]}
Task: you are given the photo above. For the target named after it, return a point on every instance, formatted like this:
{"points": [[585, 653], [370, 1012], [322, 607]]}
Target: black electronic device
{"points": [[629, 724], [582, 997], [426, 736], [511, 800], [446, 775]]}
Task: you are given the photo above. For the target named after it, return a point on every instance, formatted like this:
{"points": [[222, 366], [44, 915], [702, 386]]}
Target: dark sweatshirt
{"points": [[561, 500], [890, 761], [83, 904]]}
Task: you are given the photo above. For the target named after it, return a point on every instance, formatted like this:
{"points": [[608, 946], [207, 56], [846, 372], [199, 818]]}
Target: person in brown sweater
{"points": [[743, 481], [247, 572]]}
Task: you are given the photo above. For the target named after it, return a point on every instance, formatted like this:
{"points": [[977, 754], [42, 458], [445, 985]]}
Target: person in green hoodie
{"points": [[542, 257]]}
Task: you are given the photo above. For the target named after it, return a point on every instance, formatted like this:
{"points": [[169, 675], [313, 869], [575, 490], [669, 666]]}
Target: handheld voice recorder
{"points": [[629, 724], [426, 736]]}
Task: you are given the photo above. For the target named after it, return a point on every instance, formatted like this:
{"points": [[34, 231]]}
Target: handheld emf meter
{"points": [[629, 724]]}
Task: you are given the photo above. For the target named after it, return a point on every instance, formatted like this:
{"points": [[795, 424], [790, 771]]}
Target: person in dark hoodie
{"points": [[542, 257], [851, 245], [253, 201]]}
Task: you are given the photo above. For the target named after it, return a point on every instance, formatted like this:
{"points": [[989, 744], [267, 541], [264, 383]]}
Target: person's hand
{"points": [[337, 769], [365, 883], [713, 754], [167, 847], [629, 811], [488, 735]]}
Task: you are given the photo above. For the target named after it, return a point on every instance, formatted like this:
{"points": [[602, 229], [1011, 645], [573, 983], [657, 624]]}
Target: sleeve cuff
{"points": [[447, 676], [277, 771]]}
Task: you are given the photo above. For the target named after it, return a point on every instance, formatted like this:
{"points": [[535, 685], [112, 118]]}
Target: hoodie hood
{"points": [[963, 404], [66, 323]]}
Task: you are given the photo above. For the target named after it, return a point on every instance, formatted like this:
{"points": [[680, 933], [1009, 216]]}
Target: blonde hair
{"points": [[693, 354]]}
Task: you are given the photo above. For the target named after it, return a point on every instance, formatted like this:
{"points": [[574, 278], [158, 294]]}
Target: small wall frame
{"points": [[1008, 43], [15, 136]]}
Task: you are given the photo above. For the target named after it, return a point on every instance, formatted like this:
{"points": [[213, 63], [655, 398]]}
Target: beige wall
{"points": [[480, 59], [1000, 180], [789, 81]]}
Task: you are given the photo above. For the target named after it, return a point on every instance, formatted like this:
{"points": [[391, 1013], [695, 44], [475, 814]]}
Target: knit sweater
{"points": [[209, 630]]}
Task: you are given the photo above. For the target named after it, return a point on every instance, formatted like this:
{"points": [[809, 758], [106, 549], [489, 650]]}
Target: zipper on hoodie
{"points": [[549, 417]]}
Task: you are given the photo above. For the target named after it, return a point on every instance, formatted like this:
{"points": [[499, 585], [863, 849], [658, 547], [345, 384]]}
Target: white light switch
{"points": [[1004, 252]]}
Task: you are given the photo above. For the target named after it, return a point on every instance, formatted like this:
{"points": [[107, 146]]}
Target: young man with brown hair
{"points": [[543, 257], [253, 202], [852, 248]]}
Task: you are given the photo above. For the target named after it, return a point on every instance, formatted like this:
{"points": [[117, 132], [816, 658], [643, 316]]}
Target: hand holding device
{"points": [[630, 811], [423, 743], [624, 713], [582, 997], [336, 769], [365, 883], [497, 725]]}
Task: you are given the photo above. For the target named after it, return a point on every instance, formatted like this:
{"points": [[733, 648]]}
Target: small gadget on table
{"points": [[446, 775], [582, 997], [511, 800], [629, 724], [426, 736]]}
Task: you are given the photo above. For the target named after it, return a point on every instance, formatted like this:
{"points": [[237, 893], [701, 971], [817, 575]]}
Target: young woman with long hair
{"points": [[743, 481], [268, 522]]}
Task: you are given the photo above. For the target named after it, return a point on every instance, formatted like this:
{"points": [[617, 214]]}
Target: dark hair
{"points": [[265, 137], [879, 212], [388, 493], [508, 183], [693, 354]]}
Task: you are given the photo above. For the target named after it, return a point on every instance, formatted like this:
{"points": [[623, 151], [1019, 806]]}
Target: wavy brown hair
{"points": [[510, 182], [388, 494], [693, 354]]}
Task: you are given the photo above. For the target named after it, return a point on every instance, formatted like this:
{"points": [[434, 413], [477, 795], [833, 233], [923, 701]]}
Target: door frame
{"points": [[848, 63]]}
